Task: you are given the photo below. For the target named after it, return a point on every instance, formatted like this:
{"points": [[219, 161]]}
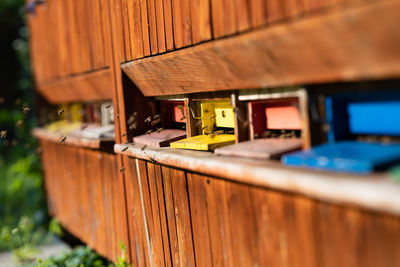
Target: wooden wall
{"points": [[196, 220], [83, 193], [69, 37], [152, 27]]}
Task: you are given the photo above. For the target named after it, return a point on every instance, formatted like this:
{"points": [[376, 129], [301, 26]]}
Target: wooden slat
{"points": [[126, 27], [159, 10], [151, 13], [86, 87], [181, 23], [135, 25], [223, 17], [201, 20], [139, 248], [145, 28], [169, 30], [350, 54]]}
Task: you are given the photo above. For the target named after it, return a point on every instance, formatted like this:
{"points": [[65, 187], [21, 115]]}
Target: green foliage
{"points": [[78, 257], [83, 257], [122, 260], [55, 227], [23, 239]]}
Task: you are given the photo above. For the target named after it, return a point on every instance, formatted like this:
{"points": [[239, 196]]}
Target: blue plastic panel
{"points": [[381, 118], [346, 156]]}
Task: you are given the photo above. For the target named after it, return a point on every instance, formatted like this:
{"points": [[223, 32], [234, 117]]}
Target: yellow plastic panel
{"points": [[216, 114], [224, 117], [204, 142]]}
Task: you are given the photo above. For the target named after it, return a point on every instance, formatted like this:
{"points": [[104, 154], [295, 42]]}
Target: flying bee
{"points": [[149, 131], [63, 140], [198, 123], [25, 109], [3, 134], [18, 123], [205, 127], [143, 147], [125, 134], [156, 116], [148, 120], [212, 117], [108, 106], [84, 126], [159, 130], [124, 149], [122, 169], [59, 112]]}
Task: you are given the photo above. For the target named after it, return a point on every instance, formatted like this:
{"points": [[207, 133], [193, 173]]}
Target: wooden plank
{"points": [[163, 216], [137, 232], [169, 29], [258, 12], [197, 191], [159, 11], [145, 28], [151, 13], [156, 236], [201, 20], [170, 214], [126, 28], [181, 23], [182, 218], [86, 87], [135, 25], [217, 65], [223, 17]]}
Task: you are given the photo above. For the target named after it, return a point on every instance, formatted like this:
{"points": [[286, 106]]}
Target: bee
{"points": [[149, 131], [152, 160], [25, 109], [39, 151], [117, 116], [124, 149], [205, 127], [143, 147], [63, 140], [159, 130], [1, 100], [155, 122], [108, 106], [157, 116], [212, 117], [84, 126], [18, 123], [3, 134], [125, 134], [59, 112], [122, 169], [148, 120]]}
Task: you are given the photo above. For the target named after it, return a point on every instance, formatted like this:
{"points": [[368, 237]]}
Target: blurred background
{"points": [[25, 227]]}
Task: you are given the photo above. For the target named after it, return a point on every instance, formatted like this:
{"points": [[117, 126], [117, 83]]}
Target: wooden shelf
{"points": [[103, 143], [374, 192], [354, 41], [91, 86]]}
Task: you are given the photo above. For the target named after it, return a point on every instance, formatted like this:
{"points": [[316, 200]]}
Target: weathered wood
{"points": [[85, 87], [363, 46], [375, 192]]}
